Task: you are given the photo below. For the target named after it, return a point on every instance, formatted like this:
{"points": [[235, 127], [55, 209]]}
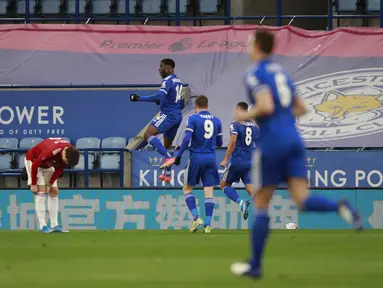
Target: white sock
{"points": [[53, 207], [40, 209]]}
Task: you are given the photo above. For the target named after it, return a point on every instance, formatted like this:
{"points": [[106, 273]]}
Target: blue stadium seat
{"points": [[101, 7], [172, 6], [26, 143], [49, 7], [373, 5], [71, 7], [84, 143], [20, 7], [151, 6], [8, 143], [121, 4], [6, 158], [208, 6], [3, 7], [111, 159], [346, 5]]}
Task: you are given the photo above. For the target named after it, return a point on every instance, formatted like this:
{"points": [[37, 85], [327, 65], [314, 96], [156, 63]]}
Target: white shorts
{"points": [[44, 175]]}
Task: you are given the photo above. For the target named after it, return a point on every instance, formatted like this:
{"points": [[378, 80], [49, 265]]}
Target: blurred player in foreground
{"points": [[170, 118], [44, 164], [205, 132], [280, 152], [240, 149]]}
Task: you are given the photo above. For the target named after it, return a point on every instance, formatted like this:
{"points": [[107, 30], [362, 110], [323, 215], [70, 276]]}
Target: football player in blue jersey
{"points": [[279, 156], [205, 132], [237, 160], [170, 118]]}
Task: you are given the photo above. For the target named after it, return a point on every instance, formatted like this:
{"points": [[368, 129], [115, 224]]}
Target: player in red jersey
{"points": [[44, 164]]}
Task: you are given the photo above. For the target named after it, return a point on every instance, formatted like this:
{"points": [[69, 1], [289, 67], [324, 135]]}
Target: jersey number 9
{"points": [[209, 129], [284, 91]]}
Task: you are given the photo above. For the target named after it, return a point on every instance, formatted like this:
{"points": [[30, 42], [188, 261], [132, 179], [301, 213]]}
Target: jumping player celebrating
{"points": [[238, 155], [44, 164], [170, 118], [280, 152], [205, 132]]}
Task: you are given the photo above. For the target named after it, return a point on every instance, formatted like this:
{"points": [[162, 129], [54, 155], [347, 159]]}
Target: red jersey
{"points": [[47, 154]]}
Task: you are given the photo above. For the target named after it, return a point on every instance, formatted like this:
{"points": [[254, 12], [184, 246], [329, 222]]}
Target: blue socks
{"points": [[156, 143], [319, 203], [232, 194], [258, 237], [142, 145], [190, 202], [209, 207]]}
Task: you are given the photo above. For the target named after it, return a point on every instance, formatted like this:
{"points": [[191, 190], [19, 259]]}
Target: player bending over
{"points": [[240, 149], [44, 164], [205, 132], [280, 152], [170, 118]]}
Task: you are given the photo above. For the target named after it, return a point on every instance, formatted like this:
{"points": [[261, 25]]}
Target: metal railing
{"points": [[227, 19], [99, 151]]}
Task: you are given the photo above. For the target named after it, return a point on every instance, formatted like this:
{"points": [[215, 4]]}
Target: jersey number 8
{"points": [[209, 129], [284, 91], [248, 138]]}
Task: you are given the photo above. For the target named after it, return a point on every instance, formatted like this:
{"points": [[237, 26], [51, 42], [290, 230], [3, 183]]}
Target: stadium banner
{"points": [[332, 169], [73, 113], [339, 76], [166, 209]]}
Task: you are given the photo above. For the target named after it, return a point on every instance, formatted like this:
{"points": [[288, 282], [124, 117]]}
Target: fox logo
{"points": [[342, 106], [336, 107]]}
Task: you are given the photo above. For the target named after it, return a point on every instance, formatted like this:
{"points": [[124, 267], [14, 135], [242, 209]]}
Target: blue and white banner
{"points": [[166, 209], [73, 113], [333, 169]]}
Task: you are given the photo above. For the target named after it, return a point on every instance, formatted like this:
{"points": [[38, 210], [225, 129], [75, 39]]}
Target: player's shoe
{"points": [[59, 229], [166, 176], [197, 223], [245, 209], [207, 229], [244, 269], [350, 215], [168, 162], [46, 230]]}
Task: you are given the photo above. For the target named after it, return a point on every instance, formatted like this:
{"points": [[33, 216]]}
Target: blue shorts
{"points": [[274, 168], [202, 169], [236, 172], [167, 125]]}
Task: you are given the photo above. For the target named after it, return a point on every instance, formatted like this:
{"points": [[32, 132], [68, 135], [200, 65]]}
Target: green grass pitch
{"points": [[135, 259]]}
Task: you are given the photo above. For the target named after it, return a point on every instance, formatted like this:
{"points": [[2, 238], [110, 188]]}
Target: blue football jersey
{"points": [[205, 129], [172, 87], [247, 133], [278, 129]]}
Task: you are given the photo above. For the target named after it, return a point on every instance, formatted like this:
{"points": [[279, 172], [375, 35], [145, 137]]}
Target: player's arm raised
{"points": [[231, 145], [300, 107], [161, 93]]}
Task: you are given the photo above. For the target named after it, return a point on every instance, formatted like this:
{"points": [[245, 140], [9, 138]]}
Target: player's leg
{"points": [[168, 142], [39, 196], [191, 178], [230, 176], [298, 187], [266, 177], [210, 178], [157, 126]]}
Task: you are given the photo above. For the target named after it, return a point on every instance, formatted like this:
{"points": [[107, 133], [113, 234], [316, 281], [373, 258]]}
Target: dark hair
{"points": [[72, 155], [202, 102], [170, 62], [265, 40], [243, 105]]}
